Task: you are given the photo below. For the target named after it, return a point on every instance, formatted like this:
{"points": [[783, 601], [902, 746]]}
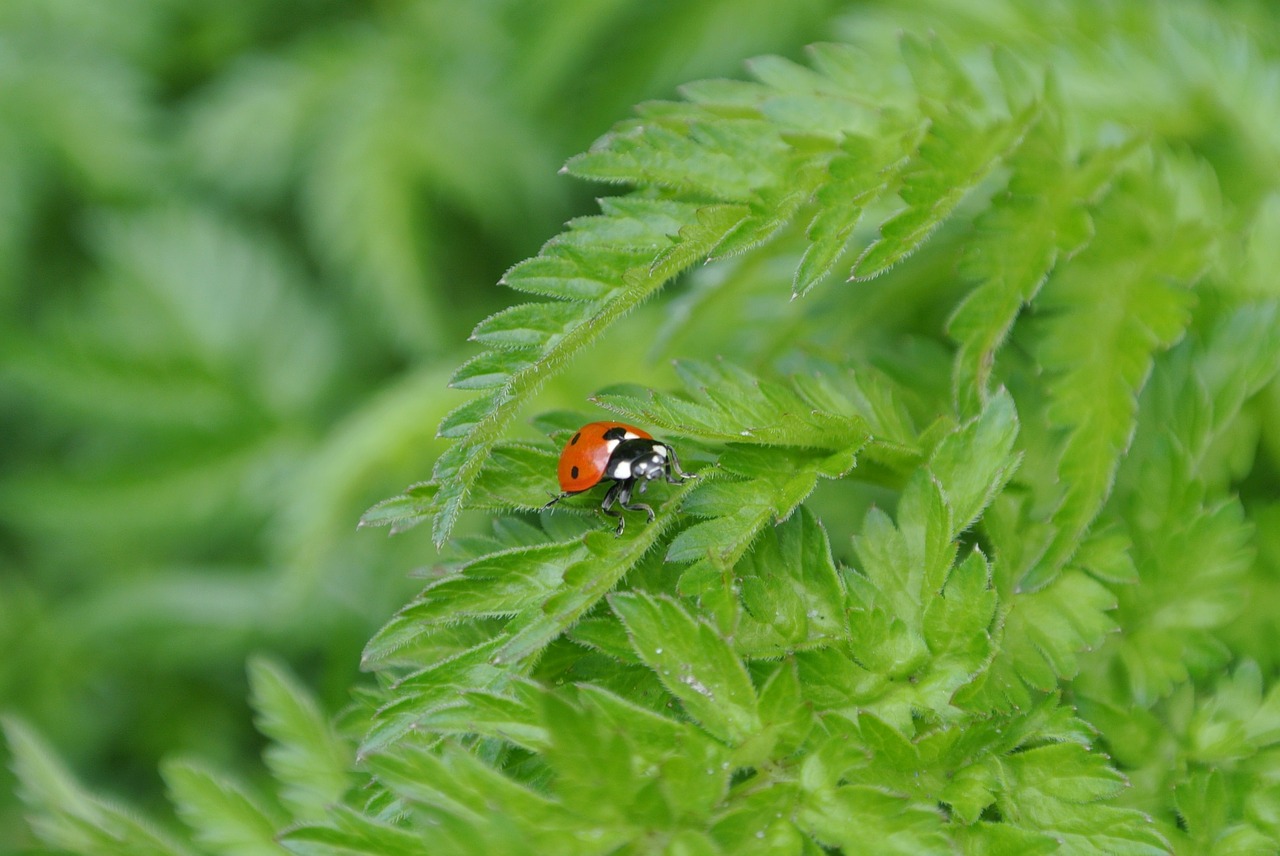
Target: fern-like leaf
{"points": [[68, 818], [955, 155], [222, 815], [716, 175], [309, 760], [1043, 215], [1102, 333], [621, 246]]}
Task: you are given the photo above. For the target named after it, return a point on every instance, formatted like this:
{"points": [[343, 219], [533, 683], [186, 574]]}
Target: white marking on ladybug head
{"points": [[648, 467], [622, 470], [630, 435], [611, 445], [660, 449]]}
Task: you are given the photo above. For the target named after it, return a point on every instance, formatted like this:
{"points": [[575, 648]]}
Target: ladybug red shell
{"points": [[619, 453], [586, 456]]}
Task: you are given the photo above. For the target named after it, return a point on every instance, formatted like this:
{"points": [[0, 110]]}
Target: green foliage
{"points": [[70, 818], [980, 556], [221, 815], [242, 244], [715, 176], [308, 760]]}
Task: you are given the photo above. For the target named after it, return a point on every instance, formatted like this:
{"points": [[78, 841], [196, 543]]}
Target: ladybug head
{"points": [[640, 459], [650, 466]]}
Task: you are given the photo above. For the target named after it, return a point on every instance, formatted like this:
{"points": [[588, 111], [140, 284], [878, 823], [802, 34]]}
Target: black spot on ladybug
{"points": [[615, 433], [574, 472], [574, 441]]}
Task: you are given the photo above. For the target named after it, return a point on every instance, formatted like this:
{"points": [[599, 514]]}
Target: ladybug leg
{"points": [[555, 499], [624, 500], [674, 467], [607, 506]]}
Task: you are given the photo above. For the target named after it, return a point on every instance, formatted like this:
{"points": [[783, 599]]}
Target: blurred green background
{"points": [[241, 247]]}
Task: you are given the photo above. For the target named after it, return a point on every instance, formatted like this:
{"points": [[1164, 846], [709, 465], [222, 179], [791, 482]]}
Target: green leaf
{"points": [[691, 843], [693, 662], [348, 833], [463, 419], [956, 622], [1043, 215], [66, 817], [970, 791], [1191, 539], [1103, 334], [311, 763], [503, 583], [1066, 771], [957, 152], [919, 624], [724, 402], [862, 819], [527, 326], [499, 583], [1107, 553], [585, 583], [728, 160], [593, 766], [1206, 809], [562, 272], [733, 180], [426, 690], [975, 462], [1055, 789], [604, 635], [792, 595], [511, 717], [1003, 839], [456, 782], [737, 508], [864, 169], [544, 597], [901, 564], [690, 769], [489, 370], [1045, 632], [402, 512], [787, 720], [547, 334], [223, 816], [762, 822]]}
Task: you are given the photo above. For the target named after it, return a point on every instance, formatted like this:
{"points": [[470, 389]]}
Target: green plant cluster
{"points": [[982, 554], [242, 245]]}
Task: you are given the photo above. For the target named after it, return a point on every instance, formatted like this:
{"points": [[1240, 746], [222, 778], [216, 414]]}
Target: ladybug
{"points": [[619, 452]]}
